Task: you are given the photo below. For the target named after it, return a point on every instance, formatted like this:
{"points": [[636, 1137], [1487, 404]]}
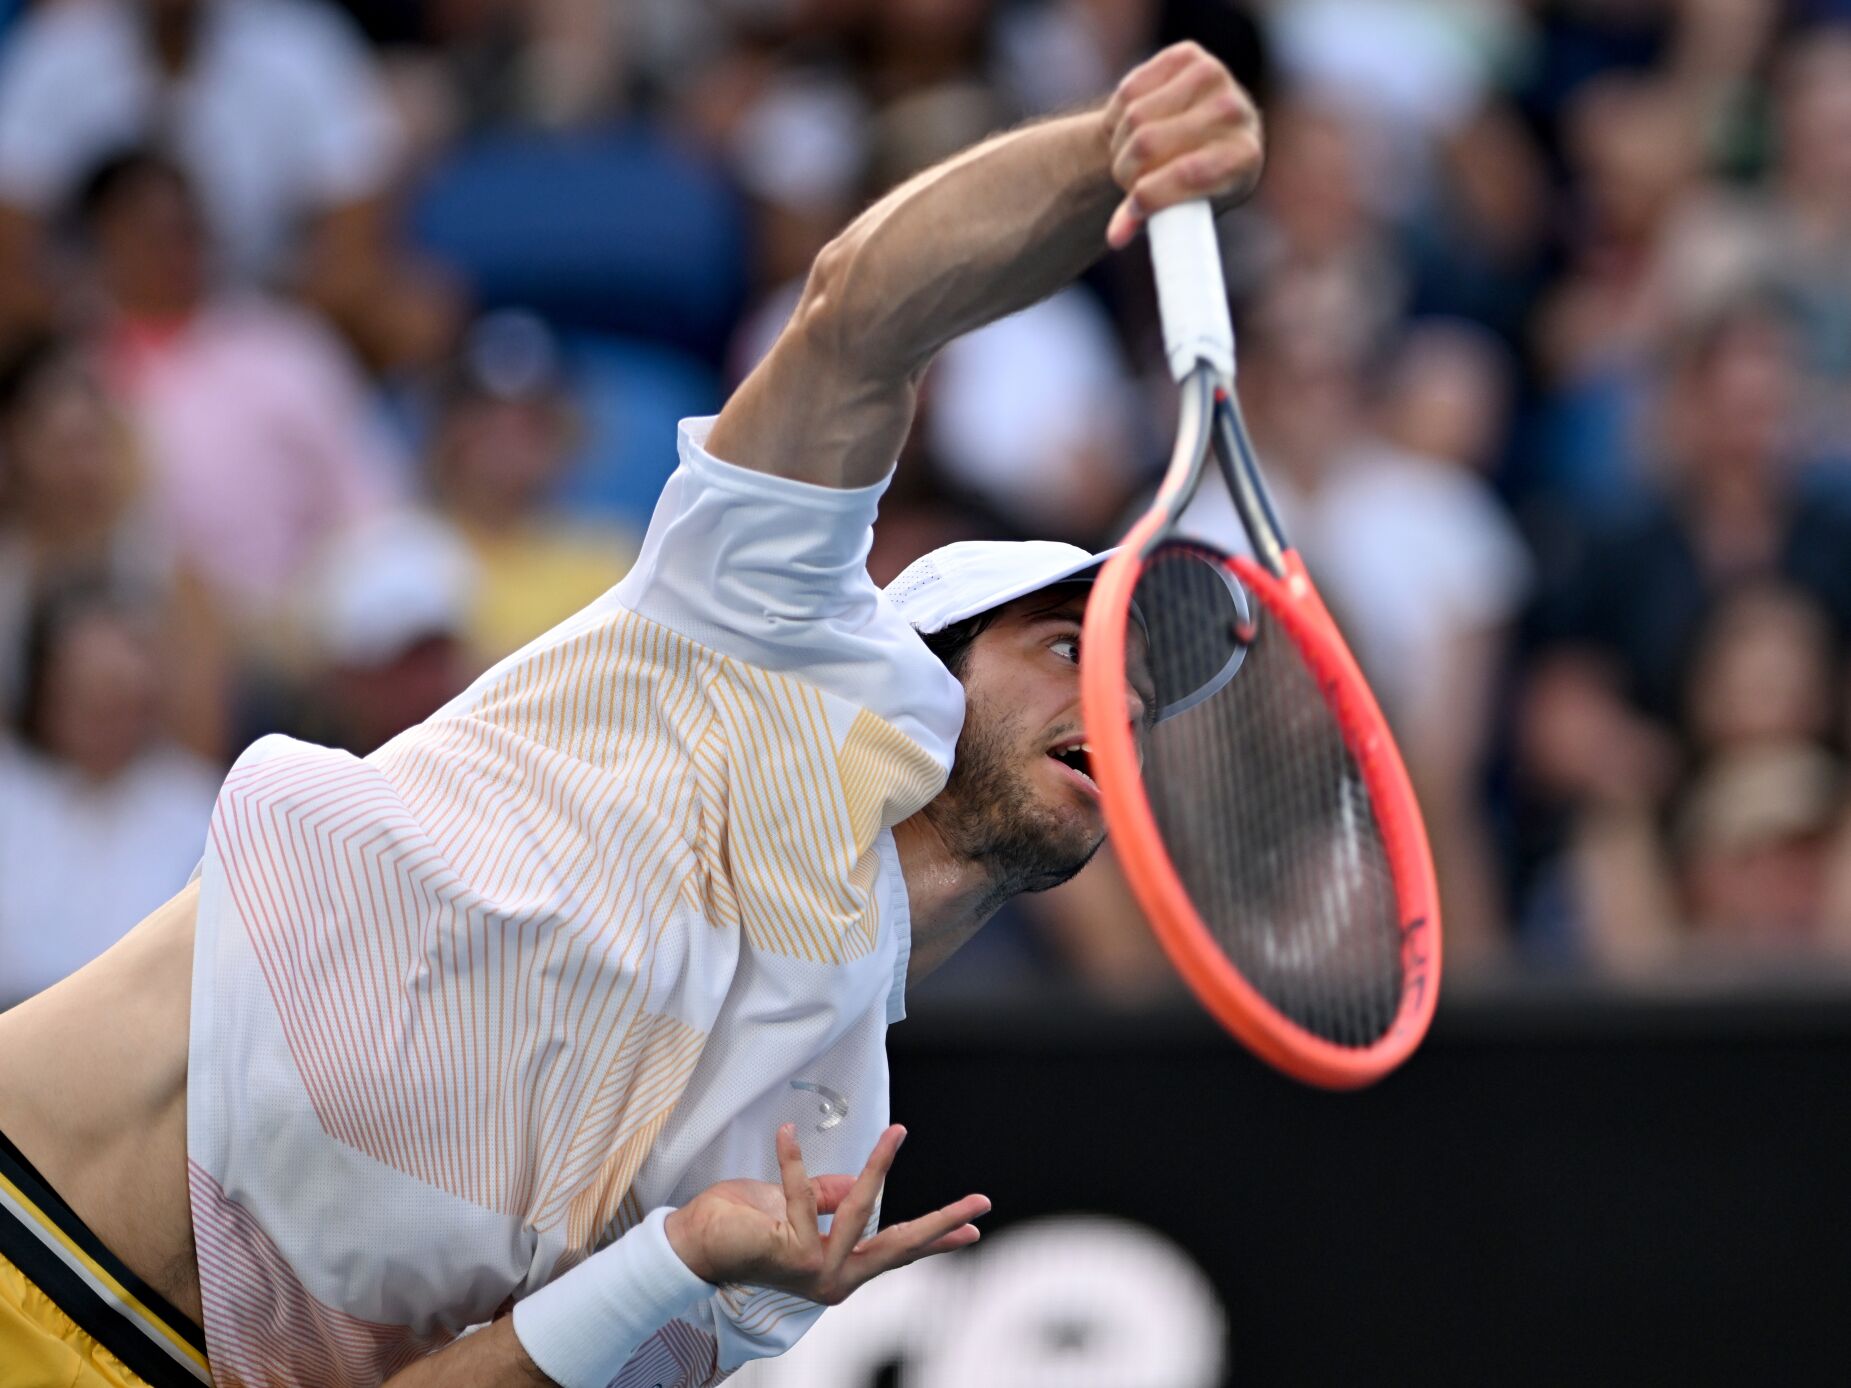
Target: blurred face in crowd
{"points": [[1768, 892], [1301, 369], [493, 459], [1815, 118], [1635, 151], [1312, 187], [151, 245], [373, 704], [1756, 831], [67, 463], [1012, 803], [100, 694], [1733, 399], [1448, 394], [1763, 672]]}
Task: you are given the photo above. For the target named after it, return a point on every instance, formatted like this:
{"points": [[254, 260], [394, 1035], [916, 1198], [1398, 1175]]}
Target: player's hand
{"points": [[766, 1235], [1180, 128]]}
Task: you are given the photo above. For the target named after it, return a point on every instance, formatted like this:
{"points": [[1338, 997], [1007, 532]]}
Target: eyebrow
{"points": [[1058, 612]]}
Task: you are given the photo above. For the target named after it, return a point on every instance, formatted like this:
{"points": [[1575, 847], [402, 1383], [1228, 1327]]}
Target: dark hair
{"points": [[25, 363], [54, 613], [952, 644], [119, 172]]}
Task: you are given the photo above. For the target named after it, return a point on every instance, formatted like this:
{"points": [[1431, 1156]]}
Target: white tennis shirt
{"points": [[571, 949]]}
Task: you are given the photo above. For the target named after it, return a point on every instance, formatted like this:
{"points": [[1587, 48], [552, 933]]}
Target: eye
{"points": [[1066, 647]]}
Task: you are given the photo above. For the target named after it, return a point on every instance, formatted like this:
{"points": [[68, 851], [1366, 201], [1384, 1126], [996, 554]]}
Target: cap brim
{"points": [[1085, 571], [1081, 571]]}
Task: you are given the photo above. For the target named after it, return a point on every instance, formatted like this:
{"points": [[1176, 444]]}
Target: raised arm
{"points": [[987, 232]]}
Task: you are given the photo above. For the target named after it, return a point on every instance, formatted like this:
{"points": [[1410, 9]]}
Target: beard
{"points": [[991, 813]]}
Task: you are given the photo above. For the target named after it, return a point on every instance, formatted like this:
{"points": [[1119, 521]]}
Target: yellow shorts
{"points": [[72, 1315]]}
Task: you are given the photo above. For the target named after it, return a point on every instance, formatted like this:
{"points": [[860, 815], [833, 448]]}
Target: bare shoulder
{"points": [[93, 1092]]}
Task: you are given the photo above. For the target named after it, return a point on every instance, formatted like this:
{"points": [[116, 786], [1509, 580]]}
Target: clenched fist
{"points": [[1180, 128]]}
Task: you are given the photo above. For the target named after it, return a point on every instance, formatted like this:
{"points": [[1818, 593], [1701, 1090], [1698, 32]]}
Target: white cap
{"points": [[387, 582], [960, 580]]}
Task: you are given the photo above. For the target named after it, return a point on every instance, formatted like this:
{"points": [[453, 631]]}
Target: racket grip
{"points": [[1191, 295]]}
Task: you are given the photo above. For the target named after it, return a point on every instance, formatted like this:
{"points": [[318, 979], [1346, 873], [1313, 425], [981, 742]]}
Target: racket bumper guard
{"points": [[1192, 297]]}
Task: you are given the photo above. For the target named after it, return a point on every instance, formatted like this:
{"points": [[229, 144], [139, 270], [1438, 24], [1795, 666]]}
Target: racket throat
{"points": [[1246, 488]]}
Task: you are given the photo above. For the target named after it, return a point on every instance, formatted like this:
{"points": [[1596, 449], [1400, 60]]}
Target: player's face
{"points": [[1020, 797]]}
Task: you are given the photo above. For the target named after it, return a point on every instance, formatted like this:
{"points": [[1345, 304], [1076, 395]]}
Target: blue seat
{"points": [[632, 393], [616, 230]]}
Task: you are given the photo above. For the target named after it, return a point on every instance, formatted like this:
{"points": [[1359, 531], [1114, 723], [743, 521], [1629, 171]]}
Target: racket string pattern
{"points": [[1267, 815], [1261, 811]]}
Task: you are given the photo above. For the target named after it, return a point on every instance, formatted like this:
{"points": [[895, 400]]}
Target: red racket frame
{"points": [[1294, 603]]}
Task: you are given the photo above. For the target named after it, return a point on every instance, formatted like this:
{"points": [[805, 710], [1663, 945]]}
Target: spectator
{"points": [[101, 816], [1313, 218], [1741, 879], [1737, 865], [511, 63], [1603, 713], [1636, 158], [73, 508], [277, 114], [1477, 245], [1418, 68], [504, 434], [255, 421], [1794, 231], [1731, 501], [386, 608]]}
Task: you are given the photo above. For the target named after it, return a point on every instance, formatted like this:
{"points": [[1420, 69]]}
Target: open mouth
{"points": [[1077, 757]]}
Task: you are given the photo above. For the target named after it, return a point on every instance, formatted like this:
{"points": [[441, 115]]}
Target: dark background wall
{"points": [[1557, 1189]]}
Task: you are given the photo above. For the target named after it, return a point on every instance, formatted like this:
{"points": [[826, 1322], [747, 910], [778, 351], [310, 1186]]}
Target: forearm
{"points": [[490, 1358], [964, 243], [978, 237]]}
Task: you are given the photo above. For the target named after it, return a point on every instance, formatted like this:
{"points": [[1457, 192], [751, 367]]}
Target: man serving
{"points": [[532, 1008]]}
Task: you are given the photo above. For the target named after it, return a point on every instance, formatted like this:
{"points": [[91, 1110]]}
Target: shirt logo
{"points": [[831, 1105]]}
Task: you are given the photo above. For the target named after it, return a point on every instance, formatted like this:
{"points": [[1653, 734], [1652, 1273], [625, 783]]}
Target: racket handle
{"points": [[1191, 296]]}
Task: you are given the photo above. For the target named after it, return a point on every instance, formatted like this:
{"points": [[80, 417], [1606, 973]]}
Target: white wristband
{"points": [[582, 1328]]}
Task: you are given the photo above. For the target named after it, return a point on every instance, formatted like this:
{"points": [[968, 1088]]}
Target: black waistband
{"points": [[123, 1335]]}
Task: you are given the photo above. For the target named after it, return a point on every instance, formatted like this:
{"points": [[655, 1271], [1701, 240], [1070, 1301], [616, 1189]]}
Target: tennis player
{"points": [[533, 1007]]}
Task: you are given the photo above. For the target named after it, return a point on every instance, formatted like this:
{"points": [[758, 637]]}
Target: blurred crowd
{"points": [[341, 347]]}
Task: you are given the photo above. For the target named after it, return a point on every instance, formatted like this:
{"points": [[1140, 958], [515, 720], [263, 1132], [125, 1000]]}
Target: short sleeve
{"points": [[773, 572]]}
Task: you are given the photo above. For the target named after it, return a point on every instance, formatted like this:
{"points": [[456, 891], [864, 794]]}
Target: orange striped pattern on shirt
{"points": [[439, 922]]}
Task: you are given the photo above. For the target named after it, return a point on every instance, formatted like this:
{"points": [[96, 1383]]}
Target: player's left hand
{"points": [[1180, 128], [766, 1235]]}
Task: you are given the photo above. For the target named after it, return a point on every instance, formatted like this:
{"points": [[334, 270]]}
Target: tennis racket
{"points": [[1257, 802]]}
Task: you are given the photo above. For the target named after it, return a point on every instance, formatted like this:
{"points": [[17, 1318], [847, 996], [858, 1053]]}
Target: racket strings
{"points": [[1269, 822]]}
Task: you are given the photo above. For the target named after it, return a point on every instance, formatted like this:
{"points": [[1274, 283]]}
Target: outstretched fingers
{"points": [[857, 1206], [942, 1231], [800, 1195]]}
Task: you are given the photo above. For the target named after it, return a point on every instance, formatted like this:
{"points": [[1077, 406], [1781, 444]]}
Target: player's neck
{"points": [[948, 894]]}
